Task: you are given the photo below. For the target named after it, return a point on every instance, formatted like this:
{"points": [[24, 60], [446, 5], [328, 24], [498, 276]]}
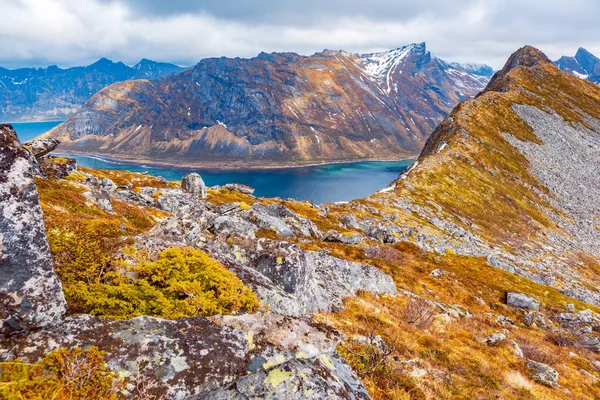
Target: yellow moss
{"points": [[276, 377], [62, 375], [245, 206], [75, 176], [156, 195], [122, 178], [84, 239], [224, 196]]}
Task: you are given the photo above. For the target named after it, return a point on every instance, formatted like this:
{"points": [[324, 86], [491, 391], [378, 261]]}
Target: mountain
{"points": [[475, 68], [585, 65], [279, 108], [512, 175], [39, 94], [475, 274]]}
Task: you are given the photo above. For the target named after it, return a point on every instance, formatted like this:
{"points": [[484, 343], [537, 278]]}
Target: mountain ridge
{"points": [[276, 108], [584, 65], [53, 93]]}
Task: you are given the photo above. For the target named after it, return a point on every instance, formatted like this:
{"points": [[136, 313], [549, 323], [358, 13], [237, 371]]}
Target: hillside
{"points": [[278, 108], [474, 275], [43, 94]]}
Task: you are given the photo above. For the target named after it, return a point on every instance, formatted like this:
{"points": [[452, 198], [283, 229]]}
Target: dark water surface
{"points": [[321, 184]]}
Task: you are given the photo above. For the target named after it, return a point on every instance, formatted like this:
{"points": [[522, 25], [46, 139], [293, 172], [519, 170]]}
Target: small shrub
{"points": [[61, 374], [180, 283], [418, 313], [537, 352], [371, 355]]}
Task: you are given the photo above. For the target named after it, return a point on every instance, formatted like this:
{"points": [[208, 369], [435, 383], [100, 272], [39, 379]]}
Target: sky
{"points": [[78, 32]]}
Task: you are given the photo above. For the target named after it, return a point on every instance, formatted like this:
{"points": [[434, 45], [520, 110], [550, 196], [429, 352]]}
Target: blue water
{"points": [[29, 130], [321, 184]]}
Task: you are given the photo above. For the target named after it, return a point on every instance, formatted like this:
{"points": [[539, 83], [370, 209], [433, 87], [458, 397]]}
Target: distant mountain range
{"points": [[41, 94], [584, 65], [278, 108]]}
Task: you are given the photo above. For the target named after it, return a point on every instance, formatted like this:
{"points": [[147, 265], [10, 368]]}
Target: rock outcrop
{"points": [[265, 354], [198, 356], [522, 300], [30, 292], [543, 373]]}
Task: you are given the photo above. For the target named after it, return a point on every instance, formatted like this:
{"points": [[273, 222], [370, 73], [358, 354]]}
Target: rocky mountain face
{"points": [[46, 94], [585, 65], [505, 173], [474, 275], [276, 109]]}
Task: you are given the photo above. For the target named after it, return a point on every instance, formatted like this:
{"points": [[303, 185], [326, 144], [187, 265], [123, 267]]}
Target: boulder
{"points": [[193, 183], [196, 356], [240, 188], [522, 300], [516, 349], [30, 292], [542, 373], [326, 377], [345, 238], [296, 282], [226, 224], [41, 147], [100, 199]]}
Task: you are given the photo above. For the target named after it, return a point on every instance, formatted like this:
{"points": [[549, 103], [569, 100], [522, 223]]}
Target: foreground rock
{"points": [[196, 356], [288, 279], [30, 292], [265, 354]]}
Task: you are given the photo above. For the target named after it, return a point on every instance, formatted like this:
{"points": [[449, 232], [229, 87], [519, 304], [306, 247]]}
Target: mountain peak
{"points": [[526, 56], [582, 52], [103, 61]]}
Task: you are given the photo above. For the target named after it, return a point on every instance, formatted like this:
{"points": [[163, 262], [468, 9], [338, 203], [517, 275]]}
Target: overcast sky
{"points": [[76, 32]]}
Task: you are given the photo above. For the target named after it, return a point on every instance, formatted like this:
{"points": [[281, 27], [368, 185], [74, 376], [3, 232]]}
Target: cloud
{"points": [[74, 32]]}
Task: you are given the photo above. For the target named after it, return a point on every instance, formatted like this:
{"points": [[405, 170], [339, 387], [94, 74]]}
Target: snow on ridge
{"points": [[378, 65], [580, 75]]}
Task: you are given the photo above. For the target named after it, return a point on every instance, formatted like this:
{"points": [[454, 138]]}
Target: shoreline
{"points": [[223, 165]]}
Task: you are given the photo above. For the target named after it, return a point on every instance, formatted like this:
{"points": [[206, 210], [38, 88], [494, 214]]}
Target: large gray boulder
{"points": [[521, 300], [296, 282], [30, 292], [196, 356], [193, 183]]}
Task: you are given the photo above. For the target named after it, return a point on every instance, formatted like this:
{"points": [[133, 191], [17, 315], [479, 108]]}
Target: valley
{"points": [[277, 109], [474, 274]]}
